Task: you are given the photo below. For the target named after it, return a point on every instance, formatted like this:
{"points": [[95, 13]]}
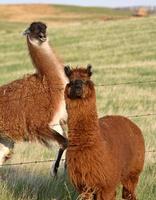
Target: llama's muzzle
{"points": [[26, 32], [76, 90]]}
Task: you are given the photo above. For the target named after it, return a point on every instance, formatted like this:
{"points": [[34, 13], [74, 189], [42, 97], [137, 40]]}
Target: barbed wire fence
{"points": [[59, 87], [47, 161], [125, 83]]}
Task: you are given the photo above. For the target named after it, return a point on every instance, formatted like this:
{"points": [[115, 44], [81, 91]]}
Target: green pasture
{"points": [[120, 51]]}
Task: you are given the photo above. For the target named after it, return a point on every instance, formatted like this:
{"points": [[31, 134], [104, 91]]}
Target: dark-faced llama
{"points": [[101, 153]]}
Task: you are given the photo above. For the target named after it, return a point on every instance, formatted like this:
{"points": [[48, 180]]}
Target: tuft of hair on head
{"points": [[68, 70]]}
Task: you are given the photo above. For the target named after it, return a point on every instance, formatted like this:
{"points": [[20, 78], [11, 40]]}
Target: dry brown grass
{"points": [[37, 12], [54, 14], [25, 13]]}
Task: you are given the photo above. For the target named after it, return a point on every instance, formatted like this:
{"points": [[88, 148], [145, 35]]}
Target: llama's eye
{"points": [[71, 83]]}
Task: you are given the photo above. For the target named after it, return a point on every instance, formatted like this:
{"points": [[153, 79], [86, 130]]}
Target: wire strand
{"points": [[49, 160], [61, 88], [30, 162], [125, 83], [54, 125], [97, 85], [142, 115]]}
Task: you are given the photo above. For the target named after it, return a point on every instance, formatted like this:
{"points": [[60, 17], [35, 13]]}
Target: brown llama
{"points": [[30, 107], [101, 153]]}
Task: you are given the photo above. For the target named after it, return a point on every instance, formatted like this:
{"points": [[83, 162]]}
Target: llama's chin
{"points": [[75, 96], [37, 42]]}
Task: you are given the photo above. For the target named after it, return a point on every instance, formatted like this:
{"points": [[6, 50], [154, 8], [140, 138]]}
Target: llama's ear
{"points": [[67, 71], [89, 69], [45, 26]]}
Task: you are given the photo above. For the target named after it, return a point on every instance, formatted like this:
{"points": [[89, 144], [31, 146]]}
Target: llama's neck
{"points": [[83, 122], [46, 62]]}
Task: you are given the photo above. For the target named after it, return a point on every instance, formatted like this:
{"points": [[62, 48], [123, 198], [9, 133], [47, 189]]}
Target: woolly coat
{"points": [[102, 152], [33, 104]]}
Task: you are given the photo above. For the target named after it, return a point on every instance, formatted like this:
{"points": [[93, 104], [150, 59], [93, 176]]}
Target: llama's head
{"points": [[37, 31], [80, 86]]}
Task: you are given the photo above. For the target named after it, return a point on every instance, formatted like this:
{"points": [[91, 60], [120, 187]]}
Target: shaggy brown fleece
{"points": [[102, 153]]}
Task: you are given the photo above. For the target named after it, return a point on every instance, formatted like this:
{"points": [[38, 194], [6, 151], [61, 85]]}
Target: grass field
{"points": [[120, 51]]}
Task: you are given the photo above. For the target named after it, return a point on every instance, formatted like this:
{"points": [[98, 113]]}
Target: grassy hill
{"points": [[58, 13], [120, 51]]}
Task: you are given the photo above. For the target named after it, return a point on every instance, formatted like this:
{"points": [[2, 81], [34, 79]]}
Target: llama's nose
{"points": [[26, 32], [78, 83]]}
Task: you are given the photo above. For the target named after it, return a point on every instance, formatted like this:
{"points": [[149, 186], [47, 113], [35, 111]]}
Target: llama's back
{"points": [[125, 141], [26, 105]]}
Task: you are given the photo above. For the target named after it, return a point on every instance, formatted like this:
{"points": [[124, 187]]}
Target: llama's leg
{"points": [[106, 195], [55, 167], [59, 155], [87, 196], [6, 149], [129, 186], [62, 128], [55, 136], [63, 125], [94, 197]]}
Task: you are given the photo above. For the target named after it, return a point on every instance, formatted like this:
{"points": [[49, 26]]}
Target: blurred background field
{"points": [[121, 48]]}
